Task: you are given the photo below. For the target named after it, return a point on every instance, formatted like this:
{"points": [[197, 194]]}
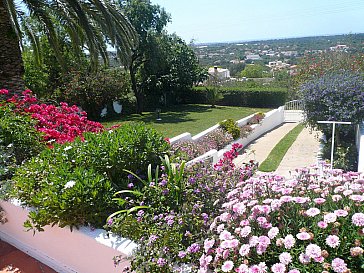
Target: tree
{"points": [[148, 20], [253, 71], [87, 23], [171, 68]]}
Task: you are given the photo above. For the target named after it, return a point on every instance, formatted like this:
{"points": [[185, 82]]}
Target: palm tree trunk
{"points": [[11, 64]]}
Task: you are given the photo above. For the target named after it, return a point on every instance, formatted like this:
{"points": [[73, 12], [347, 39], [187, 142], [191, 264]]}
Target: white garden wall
{"points": [[271, 120], [81, 251], [360, 146]]}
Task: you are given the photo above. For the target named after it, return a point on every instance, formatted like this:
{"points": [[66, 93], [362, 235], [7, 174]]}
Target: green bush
{"points": [[235, 96], [72, 184], [231, 127], [19, 141]]}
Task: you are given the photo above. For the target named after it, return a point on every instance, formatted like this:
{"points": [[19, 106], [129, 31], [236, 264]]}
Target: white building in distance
{"points": [[220, 73]]}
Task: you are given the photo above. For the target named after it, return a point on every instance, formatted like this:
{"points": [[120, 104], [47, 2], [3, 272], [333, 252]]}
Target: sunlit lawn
{"points": [[188, 118]]}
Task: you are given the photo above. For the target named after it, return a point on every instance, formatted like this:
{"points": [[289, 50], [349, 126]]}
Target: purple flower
{"points": [[130, 185], [161, 262], [194, 248], [182, 254]]}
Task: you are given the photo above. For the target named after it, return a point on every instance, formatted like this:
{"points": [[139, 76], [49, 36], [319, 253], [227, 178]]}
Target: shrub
{"points": [[72, 184], [231, 127], [19, 141], [335, 96], [308, 224], [58, 123], [245, 131], [245, 97], [257, 118]]}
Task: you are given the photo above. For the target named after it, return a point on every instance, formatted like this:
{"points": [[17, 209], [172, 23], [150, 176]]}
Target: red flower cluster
{"points": [[58, 123], [227, 161]]}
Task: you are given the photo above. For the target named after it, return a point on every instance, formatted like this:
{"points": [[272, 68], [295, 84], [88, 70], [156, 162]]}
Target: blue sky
{"points": [[242, 20]]}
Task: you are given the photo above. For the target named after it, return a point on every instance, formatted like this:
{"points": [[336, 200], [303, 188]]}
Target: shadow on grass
{"points": [[175, 114]]}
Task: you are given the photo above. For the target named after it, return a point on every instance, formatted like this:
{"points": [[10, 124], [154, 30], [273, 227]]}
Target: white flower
{"points": [[67, 148], [70, 184]]}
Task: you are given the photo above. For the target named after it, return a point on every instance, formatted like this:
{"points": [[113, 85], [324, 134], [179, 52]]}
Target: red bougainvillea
{"points": [[59, 124]]}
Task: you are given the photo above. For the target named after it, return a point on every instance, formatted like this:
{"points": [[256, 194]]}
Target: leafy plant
{"points": [[73, 184], [231, 127]]}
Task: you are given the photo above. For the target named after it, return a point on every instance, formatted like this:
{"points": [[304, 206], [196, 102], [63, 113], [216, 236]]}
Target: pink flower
{"points": [[273, 232], [294, 271], [336, 197], [208, 244], [243, 268], [312, 212], [330, 218], [357, 198], [332, 241], [304, 258], [338, 265], [313, 251], [289, 241], [205, 260], [225, 217], [227, 266], [225, 235], [245, 231], [244, 250], [341, 213], [303, 236], [278, 268], [322, 224], [358, 219], [285, 258], [319, 201]]}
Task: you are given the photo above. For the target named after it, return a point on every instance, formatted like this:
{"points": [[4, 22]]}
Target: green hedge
{"points": [[234, 96]]}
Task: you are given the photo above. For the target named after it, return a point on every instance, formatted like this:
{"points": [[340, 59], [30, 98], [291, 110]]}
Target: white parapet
{"points": [[84, 250], [180, 138], [360, 146]]}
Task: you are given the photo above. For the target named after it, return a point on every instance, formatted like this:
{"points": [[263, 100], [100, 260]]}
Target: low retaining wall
{"points": [[360, 146], [83, 251], [271, 120]]}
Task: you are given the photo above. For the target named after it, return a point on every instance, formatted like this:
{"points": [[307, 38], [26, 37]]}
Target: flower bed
{"points": [[309, 224]]}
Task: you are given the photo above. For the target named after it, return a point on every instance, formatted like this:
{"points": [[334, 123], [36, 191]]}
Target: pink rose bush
{"points": [[58, 124], [309, 223]]}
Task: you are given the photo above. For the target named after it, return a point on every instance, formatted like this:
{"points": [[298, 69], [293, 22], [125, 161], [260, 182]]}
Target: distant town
{"points": [[274, 54]]}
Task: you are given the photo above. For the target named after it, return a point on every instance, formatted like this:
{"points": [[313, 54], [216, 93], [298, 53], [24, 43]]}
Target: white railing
{"points": [[293, 111]]}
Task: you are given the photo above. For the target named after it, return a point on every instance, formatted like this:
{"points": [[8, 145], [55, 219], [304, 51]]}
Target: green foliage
{"points": [[19, 141], [231, 127], [92, 91], [275, 157], [73, 184], [254, 71], [238, 96]]}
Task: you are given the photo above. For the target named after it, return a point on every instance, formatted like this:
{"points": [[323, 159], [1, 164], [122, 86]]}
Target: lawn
{"points": [[276, 155], [192, 118]]}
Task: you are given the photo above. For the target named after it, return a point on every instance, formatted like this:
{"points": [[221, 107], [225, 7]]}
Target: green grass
{"points": [[271, 163], [192, 118]]}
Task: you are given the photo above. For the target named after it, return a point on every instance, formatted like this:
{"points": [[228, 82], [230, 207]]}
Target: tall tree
{"points": [[89, 24], [148, 20]]}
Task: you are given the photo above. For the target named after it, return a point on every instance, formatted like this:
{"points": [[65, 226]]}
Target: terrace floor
{"points": [[15, 261]]}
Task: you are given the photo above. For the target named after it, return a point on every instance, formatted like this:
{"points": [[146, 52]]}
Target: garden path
{"points": [[13, 260], [302, 153]]}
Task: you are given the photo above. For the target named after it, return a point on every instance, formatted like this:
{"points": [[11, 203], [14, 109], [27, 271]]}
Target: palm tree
{"points": [[89, 24]]}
